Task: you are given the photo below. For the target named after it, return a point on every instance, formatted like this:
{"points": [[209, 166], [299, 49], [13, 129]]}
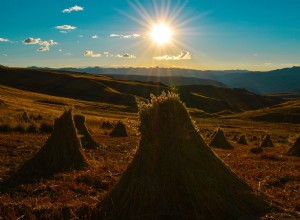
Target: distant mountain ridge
{"points": [[275, 81]]}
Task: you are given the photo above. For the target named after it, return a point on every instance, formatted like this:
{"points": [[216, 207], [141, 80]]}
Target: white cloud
{"points": [[49, 42], [31, 40], [45, 48], [60, 50], [268, 64], [80, 36], [3, 40], [4, 54], [63, 32], [74, 8], [125, 55], [114, 35], [130, 36], [95, 36], [105, 53], [90, 53], [184, 55], [68, 54], [65, 27], [45, 44]]}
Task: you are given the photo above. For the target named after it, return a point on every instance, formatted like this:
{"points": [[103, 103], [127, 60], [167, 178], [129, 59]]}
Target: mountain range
{"points": [[275, 81]]}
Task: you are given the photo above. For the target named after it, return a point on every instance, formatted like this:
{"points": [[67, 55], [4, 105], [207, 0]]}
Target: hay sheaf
{"points": [[175, 174], [295, 149], [25, 117], [267, 142], [61, 152], [220, 141], [242, 140], [107, 125], [119, 130], [86, 139]]}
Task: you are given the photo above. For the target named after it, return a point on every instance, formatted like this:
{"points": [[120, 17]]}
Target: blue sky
{"points": [[207, 34]]}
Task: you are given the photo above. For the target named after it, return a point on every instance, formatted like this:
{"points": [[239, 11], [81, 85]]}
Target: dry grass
{"points": [[70, 194]]}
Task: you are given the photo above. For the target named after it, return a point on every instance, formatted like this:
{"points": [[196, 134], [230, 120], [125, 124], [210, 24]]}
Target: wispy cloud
{"points": [[184, 55], [90, 53], [95, 36], [290, 64], [45, 44], [125, 55], [3, 39], [130, 36], [63, 32], [74, 8], [65, 27], [4, 54]]}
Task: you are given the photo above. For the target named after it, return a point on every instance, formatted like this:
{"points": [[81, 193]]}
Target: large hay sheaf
{"points": [[86, 139], [61, 152], [119, 130], [295, 149], [175, 175], [267, 142], [220, 141]]}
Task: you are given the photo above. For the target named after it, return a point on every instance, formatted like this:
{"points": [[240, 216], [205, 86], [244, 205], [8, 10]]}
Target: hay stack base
{"points": [[295, 149], [267, 142], [220, 141], [175, 174], [119, 130], [86, 139], [256, 150], [61, 152]]}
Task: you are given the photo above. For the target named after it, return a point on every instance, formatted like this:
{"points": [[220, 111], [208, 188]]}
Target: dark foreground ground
{"points": [[74, 194]]}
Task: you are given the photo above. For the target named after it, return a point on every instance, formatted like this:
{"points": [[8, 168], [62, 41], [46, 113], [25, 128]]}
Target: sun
{"points": [[161, 34]]}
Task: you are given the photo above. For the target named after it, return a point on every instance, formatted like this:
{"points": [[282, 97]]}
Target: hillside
{"points": [[214, 99], [170, 80], [287, 112], [105, 89], [77, 86]]}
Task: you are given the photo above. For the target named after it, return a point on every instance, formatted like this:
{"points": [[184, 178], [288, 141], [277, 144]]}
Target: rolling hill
{"points": [[170, 80], [105, 89], [215, 99], [77, 86], [286, 112]]}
